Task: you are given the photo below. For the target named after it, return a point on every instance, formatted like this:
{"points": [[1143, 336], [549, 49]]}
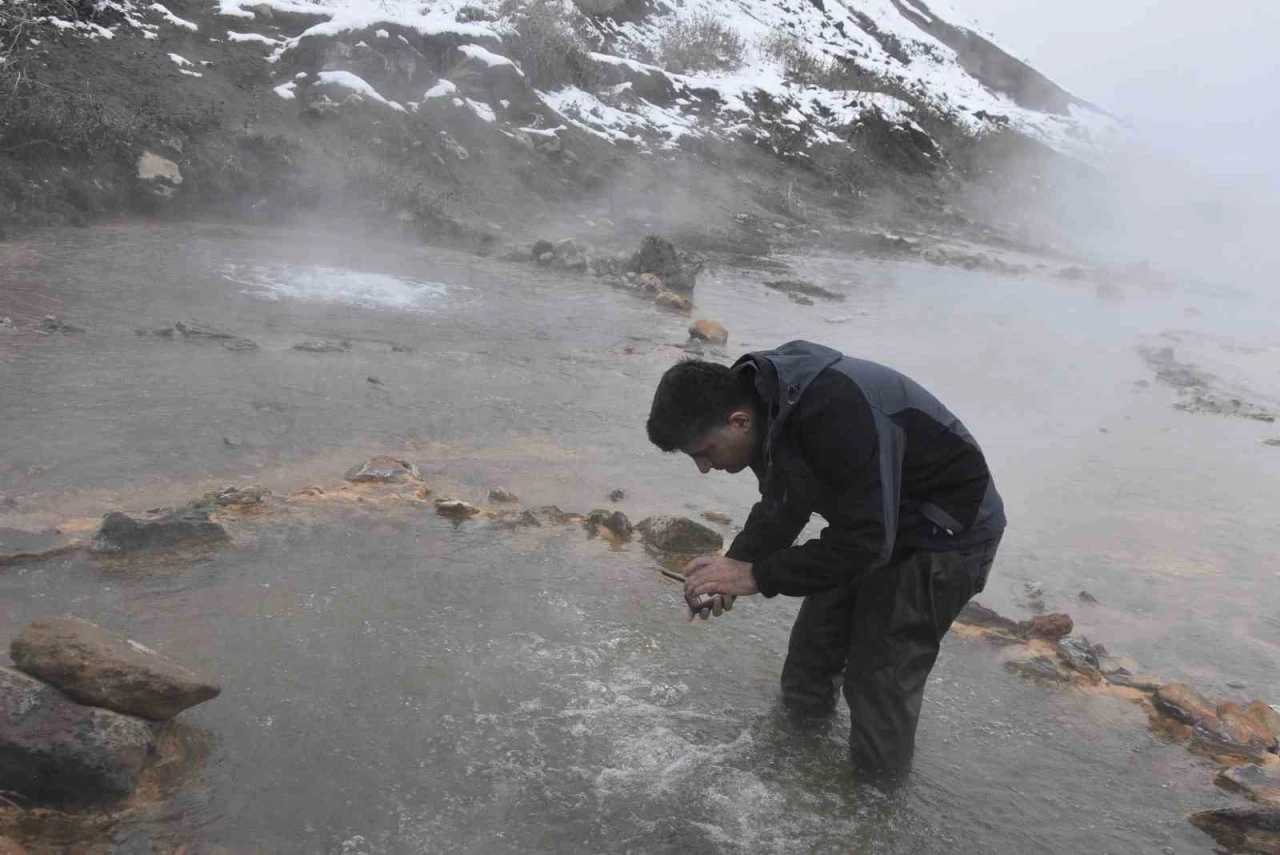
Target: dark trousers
{"points": [[881, 634]]}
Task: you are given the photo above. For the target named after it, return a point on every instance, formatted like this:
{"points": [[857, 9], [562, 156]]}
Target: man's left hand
{"points": [[716, 574]]}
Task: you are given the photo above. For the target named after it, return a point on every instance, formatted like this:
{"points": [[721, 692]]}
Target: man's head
{"points": [[709, 412]]}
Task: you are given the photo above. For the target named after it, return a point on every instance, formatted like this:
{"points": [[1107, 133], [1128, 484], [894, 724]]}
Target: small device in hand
{"points": [[698, 602]]}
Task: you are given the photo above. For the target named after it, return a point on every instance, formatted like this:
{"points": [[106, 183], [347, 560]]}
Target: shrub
{"points": [[549, 44], [799, 65], [700, 43]]}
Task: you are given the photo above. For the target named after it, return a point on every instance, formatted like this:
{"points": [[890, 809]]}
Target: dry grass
{"points": [[700, 43], [550, 44]]}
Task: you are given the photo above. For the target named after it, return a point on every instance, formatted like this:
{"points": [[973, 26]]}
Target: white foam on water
{"points": [[337, 286]]}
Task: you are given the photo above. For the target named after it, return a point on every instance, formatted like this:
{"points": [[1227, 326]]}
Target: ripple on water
{"points": [[336, 285]]}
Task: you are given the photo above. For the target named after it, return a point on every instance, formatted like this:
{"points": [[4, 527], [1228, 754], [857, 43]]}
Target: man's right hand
{"points": [[717, 605]]}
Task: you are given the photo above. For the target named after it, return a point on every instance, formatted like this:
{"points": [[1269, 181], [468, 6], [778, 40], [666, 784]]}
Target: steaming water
{"points": [[395, 683]]}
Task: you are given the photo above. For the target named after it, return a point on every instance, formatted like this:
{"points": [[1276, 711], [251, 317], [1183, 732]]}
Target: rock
{"points": [[1052, 626], [9, 846], [1182, 703], [56, 752], [168, 530], [1086, 597], [323, 346], [1240, 729], [657, 255], [680, 535], [161, 176], [552, 513], [1077, 652], [238, 496], [800, 299], [1037, 667], [511, 519], [502, 495], [617, 495], [672, 300], [649, 283], [193, 331], [543, 248], [1265, 714], [232, 441], [103, 669], [155, 332], [383, 469], [717, 517], [240, 344], [1242, 829], [51, 325], [373, 381], [455, 508], [976, 614], [6, 323], [1259, 784], [708, 331], [1123, 671], [800, 288], [615, 522]]}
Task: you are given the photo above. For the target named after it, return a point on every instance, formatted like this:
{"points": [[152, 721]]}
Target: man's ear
{"points": [[741, 419]]}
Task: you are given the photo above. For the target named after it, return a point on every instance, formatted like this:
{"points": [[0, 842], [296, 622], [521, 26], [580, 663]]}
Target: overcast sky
{"points": [[1200, 78]]}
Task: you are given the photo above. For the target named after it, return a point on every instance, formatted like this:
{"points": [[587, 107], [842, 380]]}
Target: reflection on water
{"points": [[398, 684]]}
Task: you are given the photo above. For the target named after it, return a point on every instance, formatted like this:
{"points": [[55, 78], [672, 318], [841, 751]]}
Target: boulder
{"points": [[680, 535], [1123, 671], [1242, 829], [1242, 730], [56, 752], [674, 301], [167, 530], [615, 522], [649, 283], [1258, 783], [1037, 667], [160, 176], [502, 495], [9, 846], [1082, 656], [708, 331], [1052, 626], [104, 669], [383, 469], [657, 255], [1266, 714]]}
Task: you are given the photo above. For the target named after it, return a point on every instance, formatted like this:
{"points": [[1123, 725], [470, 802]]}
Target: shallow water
{"points": [[395, 683]]}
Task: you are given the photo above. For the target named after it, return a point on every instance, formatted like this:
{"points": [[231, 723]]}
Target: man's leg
{"points": [[902, 613], [817, 652]]}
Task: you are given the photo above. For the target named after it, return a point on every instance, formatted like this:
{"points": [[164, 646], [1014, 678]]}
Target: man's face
{"points": [[730, 447]]}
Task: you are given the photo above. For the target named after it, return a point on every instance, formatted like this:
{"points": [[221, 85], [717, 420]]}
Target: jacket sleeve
{"points": [[858, 461], [766, 532]]}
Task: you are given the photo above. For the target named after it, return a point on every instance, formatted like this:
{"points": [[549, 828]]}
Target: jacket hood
{"points": [[782, 375]]}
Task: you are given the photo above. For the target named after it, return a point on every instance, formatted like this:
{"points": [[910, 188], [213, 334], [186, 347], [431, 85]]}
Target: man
{"points": [[913, 523]]}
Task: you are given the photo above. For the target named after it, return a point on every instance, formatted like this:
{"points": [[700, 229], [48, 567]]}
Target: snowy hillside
{"points": [[811, 69]]}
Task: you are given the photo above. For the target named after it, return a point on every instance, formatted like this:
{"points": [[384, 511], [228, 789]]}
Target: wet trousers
{"points": [[880, 638]]}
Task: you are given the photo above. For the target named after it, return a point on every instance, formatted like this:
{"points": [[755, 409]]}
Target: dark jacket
{"points": [[878, 457]]}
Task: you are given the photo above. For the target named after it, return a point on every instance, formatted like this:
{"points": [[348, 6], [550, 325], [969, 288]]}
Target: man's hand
{"points": [[726, 578]]}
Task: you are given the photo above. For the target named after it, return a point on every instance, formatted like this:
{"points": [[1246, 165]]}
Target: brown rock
{"points": [[708, 330], [976, 614], [674, 301], [238, 496], [717, 517], [680, 535], [103, 669], [1047, 626], [614, 522], [11, 847], [1242, 829], [1183, 703], [1261, 785], [1267, 715], [188, 526], [650, 283], [1244, 730], [385, 470], [455, 508]]}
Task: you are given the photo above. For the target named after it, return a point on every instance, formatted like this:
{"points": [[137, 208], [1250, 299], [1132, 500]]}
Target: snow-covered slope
{"points": [[909, 57]]}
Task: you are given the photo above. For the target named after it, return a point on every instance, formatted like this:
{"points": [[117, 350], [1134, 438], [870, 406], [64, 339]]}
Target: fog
{"points": [[1196, 182]]}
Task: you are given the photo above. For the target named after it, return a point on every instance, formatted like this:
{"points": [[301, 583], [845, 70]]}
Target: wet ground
{"points": [[395, 683]]}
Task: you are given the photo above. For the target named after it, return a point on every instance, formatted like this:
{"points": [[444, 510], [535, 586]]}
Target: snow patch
{"points": [[179, 60], [488, 57], [172, 18], [442, 89], [285, 90], [359, 85], [484, 111], [252, 37]]}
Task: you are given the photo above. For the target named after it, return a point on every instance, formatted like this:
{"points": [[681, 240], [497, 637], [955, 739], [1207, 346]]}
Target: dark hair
{"points": [[695, 396]]}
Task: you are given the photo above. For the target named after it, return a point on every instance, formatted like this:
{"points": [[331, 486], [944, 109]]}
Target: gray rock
{"points": [[240, 344], [56, 752], [168, 530], [1037, 667], [104, 669], [193, 331], [1077, 652], [51, 325], [1258, 783], [680, 535], [617, 495], [502, 495], [323, 346], [384, 469], [1242, 829], [615, 522], [1122, 671], [238, 496]]}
